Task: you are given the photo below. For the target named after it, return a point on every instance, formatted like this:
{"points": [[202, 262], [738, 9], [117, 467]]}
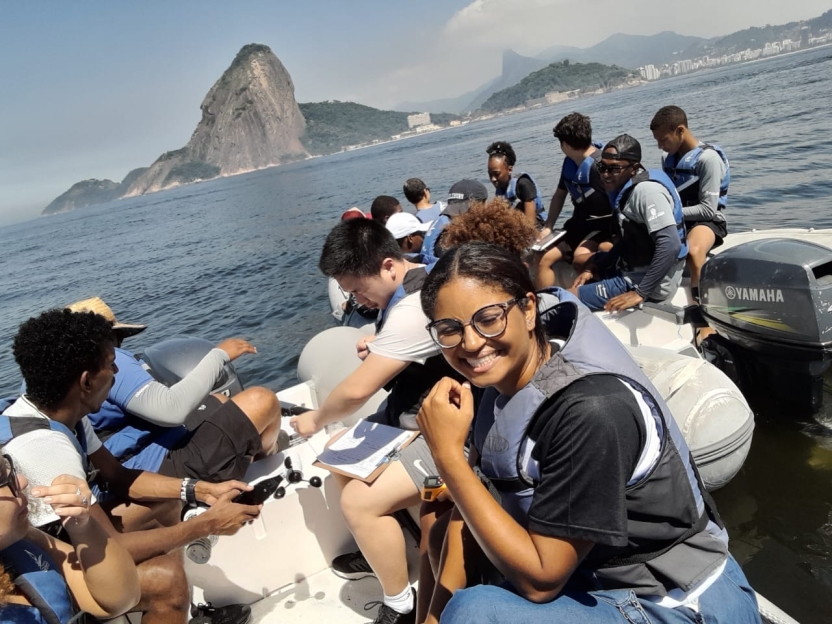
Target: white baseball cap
{"points": [[403, 224]]}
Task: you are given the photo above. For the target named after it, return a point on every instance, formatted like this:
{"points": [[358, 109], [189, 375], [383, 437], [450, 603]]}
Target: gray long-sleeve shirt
{"points": [[710, 169], [169, 407]]}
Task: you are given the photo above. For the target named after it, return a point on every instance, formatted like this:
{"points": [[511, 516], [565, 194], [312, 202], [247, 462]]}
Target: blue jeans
{"points": [[729, 599], [595, 295]]}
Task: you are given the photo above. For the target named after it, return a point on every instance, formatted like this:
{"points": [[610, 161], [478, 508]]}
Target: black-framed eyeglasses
{"points": [[8, 475], [488, 322], [602, 168]]}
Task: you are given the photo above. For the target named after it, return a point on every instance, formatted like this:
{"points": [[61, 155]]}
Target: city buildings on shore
{"points": [[770, 48]]}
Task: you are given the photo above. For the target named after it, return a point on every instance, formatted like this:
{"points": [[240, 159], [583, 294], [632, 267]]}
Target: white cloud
{"points": [[468, 50]]}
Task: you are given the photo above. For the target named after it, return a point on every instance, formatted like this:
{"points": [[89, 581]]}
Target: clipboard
{"points": [[548, 241], [365, 450]]}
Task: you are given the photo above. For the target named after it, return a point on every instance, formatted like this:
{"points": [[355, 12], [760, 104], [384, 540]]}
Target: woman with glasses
{"points": [[590, 509], [45, 580]]}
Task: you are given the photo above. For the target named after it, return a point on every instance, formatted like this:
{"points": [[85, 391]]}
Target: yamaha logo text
{"points": [[771, 295]]}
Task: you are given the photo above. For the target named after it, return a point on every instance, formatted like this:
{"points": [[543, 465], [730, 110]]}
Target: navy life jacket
{"points": [[637, 244], [511, 195], [410, 387], [675, 538], [36, 576], [588, 199], [684, 176], [430, 252]]}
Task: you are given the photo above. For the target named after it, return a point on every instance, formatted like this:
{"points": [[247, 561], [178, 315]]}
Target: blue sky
{"points": [[94, 89]]}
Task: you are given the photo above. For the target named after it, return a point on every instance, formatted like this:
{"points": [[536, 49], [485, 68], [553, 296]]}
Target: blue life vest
{"points": [[670, 521], [134, 441], [37, 577], [430, 254], [588, 199], [684, 176], [511, 195], [430, 214], [637, 244]]}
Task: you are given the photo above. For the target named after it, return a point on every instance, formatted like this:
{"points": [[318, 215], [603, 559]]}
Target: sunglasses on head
{"points": [[8, 475]]}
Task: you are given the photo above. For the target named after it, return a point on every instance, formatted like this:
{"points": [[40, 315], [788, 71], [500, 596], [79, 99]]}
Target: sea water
{"points": [[237, 257]]}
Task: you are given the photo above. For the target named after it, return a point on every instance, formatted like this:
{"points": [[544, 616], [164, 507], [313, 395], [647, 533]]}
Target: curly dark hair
{"points": [[502, 149], [55, 348], [575, 130], [493, 222]]}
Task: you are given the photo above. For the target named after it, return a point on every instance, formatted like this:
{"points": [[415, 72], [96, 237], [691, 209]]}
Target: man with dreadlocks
{"points": [[521, 191]]}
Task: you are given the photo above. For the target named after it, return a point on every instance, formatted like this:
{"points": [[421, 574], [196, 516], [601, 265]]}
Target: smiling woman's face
{"points": [[502, 361], [14, 507]]}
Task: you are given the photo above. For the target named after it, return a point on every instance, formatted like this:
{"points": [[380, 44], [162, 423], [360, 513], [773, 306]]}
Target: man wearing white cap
{"points": [[409, 233], [143, 421]]}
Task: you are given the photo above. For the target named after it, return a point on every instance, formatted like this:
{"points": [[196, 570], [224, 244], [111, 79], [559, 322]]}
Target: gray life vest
{"points": [[675, 538]]}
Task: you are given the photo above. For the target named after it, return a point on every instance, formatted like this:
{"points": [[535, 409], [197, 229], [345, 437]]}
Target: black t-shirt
{"points": [[588, 443], [524, 189]]}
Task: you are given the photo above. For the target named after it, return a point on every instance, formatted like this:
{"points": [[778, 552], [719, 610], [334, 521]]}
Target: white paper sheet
{"points": [[364, 447]]}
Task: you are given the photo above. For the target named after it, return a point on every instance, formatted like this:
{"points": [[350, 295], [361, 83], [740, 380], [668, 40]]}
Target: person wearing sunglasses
{"points": [[46, 580], [579, 500], [648, 257]]}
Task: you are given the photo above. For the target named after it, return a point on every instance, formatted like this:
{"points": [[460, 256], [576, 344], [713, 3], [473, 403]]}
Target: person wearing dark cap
{"points": [[383, 207], [521, 190], [460, 198], [143, 421], [648, 257], [418, 194]]}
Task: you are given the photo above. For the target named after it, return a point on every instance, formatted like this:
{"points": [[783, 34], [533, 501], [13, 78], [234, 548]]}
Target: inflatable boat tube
{"points": [[329, 358]]}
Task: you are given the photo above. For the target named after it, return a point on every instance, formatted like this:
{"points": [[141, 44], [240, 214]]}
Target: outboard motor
{"points": [[771, 302], [170, 360]]}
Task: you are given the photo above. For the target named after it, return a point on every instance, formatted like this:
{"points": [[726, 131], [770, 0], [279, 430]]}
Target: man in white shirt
{"points": [[367, 262]]}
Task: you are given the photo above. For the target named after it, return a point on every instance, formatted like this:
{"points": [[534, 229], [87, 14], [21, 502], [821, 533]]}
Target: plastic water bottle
{"points": [[199, 550]]}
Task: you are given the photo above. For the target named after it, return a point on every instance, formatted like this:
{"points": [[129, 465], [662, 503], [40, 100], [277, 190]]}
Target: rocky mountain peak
{"points": [[250, 120]]}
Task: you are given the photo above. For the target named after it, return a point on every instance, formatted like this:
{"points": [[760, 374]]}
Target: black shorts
{"points": [[719, 228], [220, 446], [578, 230]]}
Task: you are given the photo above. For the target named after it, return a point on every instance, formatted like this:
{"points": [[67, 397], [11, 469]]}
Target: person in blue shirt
{"points": [[418, 194], [143, 422]]}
